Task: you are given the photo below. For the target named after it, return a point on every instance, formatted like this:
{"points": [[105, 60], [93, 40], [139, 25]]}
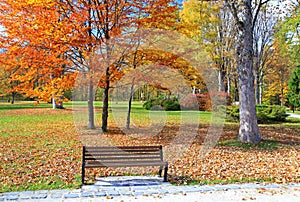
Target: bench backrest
{"points": [[115, 155]]}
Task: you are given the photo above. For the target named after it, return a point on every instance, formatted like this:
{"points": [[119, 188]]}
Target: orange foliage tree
{"points": [[34, 44], [99, 24], [47, 42]]}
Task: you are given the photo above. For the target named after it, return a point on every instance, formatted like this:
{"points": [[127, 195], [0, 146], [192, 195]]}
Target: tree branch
{"points": [[233, 10], [260, 4]]}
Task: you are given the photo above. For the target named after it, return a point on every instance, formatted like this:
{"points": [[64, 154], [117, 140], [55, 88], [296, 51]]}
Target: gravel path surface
{"points": [[153, 189]]}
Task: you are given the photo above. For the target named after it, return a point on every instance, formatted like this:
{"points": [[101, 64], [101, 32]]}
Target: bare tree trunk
{"points": [[281, 96], [221, 80], [245, 21], [260, 91], [13, 95], [91, 115], [105, 102], [236, 90], [257, 88], [129, 105], [228, 84], [248, 131], [53, 102]]}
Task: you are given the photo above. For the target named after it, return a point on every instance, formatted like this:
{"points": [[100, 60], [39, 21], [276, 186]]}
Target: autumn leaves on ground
{"points": [[41, 149]]}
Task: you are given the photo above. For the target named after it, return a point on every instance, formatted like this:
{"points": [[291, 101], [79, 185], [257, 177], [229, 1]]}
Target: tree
{"points": [[33, 47], [5, 85], [210, 25], [289, 34], [277, 75], [47, 42], [288, 40], [262, 44], [245, 17], [294, 87]]}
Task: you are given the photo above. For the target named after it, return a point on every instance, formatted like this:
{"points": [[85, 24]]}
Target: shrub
{"points": [[190, 102], [204, 101], [233, 113], [169, 104], [209, 101], [276, 113], [265, 114], [149, 104]]}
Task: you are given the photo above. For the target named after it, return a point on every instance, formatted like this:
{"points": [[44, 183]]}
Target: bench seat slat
{"points": [[125, 164], [121, 147], [122, 154], [101, 158], [122, 151]]}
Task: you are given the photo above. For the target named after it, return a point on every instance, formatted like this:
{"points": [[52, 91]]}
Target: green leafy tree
{"points": [[294, 86], [289, 34]]}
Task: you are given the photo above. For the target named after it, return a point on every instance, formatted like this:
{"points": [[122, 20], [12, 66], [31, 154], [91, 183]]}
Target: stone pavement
{"points": [[129, 186]]}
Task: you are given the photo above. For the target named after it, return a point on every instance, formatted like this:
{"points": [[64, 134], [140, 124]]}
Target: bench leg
{"points": [[82, 174], [166, 173], [160, 171]]}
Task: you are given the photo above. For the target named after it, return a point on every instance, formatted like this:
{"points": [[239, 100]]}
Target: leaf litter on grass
{"points": [[48, 155]]}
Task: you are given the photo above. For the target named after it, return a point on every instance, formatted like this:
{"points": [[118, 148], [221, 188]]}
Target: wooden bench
{"points": [[130, 156]]}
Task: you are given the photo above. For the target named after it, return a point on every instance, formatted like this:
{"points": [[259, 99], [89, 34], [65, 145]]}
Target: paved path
{"points": [[294, 115], [153, 189]]}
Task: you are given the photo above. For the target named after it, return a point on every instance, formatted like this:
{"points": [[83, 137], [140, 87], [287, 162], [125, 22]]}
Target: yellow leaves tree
{"points": [[209, 23], [277, 76], [5, 85]]}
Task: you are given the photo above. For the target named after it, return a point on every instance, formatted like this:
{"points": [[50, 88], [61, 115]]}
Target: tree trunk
{"points": [[91, 115], [105, 102], [221, 77], [53, 102], [236, 91], [13, 95], [248, 131], [257, 88], [228, 84], [281, 96], [260, 91], [129, 106]]}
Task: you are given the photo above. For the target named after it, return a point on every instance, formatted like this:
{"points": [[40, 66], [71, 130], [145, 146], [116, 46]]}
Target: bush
{"points": [[276, 113], [149, 103], [204, 101], [265, 114], [209, 101], [233, 113], [190, 102], [171, 105], [168, 104]]}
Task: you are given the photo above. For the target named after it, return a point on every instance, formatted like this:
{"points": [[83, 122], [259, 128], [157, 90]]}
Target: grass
{"points": [[41, 149], [54, 183], [23, 105], [291, 111], [228, 181], [263, 144]]}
